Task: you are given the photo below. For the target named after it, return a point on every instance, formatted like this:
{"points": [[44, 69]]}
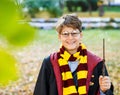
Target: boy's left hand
{"points": [[105, 83]]}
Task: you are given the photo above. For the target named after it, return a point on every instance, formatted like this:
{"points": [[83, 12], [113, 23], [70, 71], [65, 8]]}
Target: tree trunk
{"points": [[89, 7]]}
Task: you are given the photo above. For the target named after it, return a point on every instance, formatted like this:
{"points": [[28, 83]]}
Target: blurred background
{"points": [[28, 35]]}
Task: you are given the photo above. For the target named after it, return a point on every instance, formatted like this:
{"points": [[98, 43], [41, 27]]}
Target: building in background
{"points": [[112, 2]]}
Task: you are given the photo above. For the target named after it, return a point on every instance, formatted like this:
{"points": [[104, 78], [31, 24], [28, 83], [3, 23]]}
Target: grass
{"points": [[93, 39]]}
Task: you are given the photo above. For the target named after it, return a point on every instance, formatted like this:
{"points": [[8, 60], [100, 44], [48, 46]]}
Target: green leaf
{"points": [[22, 35], [8, 68], [8, 14]]}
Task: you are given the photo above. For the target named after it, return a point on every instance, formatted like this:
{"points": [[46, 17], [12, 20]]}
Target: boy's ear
{"points": [[59, 36]]}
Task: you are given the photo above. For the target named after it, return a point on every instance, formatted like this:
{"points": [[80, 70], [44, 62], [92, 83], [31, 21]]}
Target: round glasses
{"points": [[74, 33]]}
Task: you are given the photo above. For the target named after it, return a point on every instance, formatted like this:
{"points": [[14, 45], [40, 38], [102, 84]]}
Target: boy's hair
{"points": [[69, 21]]}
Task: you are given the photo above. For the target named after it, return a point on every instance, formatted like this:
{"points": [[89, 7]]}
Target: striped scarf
{"points": [[82, 70]]}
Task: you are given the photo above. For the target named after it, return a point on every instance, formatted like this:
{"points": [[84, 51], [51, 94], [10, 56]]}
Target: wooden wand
{"points": [[103, 68]]}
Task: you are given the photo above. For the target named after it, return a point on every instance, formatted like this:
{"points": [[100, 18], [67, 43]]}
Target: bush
{"points": [[73, 5], [34, 6]]}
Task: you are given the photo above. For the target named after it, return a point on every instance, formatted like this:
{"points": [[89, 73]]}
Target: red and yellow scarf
{"points": [[82, 71]]}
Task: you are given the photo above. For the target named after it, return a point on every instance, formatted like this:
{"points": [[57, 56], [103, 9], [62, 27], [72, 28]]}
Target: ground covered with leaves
{"points": [[30, 58]]}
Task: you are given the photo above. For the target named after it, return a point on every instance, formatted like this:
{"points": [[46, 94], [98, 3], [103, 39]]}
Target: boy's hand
{"points": [[105, 83]]}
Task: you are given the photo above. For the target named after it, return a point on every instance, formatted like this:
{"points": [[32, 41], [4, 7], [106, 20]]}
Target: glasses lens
{"points": [[73, 33]]}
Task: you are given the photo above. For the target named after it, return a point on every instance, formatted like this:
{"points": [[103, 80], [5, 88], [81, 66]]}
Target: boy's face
{"points": [[70, 38]]}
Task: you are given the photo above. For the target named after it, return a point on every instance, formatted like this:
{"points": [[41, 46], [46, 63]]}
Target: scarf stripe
{"points": [[69, 87], [67, 75], [82, 67], [69, 90], [82, 90], [62, 62], [69, 83], [83, 59], [81, 83], [74, 94], [82, 74], [66, 68]]}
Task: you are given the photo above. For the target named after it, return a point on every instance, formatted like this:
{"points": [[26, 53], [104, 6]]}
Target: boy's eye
{"points": [[65, 34], [74, 33]]}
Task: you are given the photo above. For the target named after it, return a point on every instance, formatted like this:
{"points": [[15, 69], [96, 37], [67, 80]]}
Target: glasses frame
{"points": [[74, 33]]}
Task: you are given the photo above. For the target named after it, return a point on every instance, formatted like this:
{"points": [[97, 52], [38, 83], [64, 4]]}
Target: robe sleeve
{"points": [[110, 91], [46, 83]]}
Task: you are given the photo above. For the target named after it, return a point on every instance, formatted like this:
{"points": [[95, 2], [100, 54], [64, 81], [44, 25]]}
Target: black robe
{"points": [[46, 82]]}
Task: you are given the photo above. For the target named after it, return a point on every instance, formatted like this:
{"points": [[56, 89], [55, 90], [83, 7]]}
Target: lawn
{"points": [[46, 42]]}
